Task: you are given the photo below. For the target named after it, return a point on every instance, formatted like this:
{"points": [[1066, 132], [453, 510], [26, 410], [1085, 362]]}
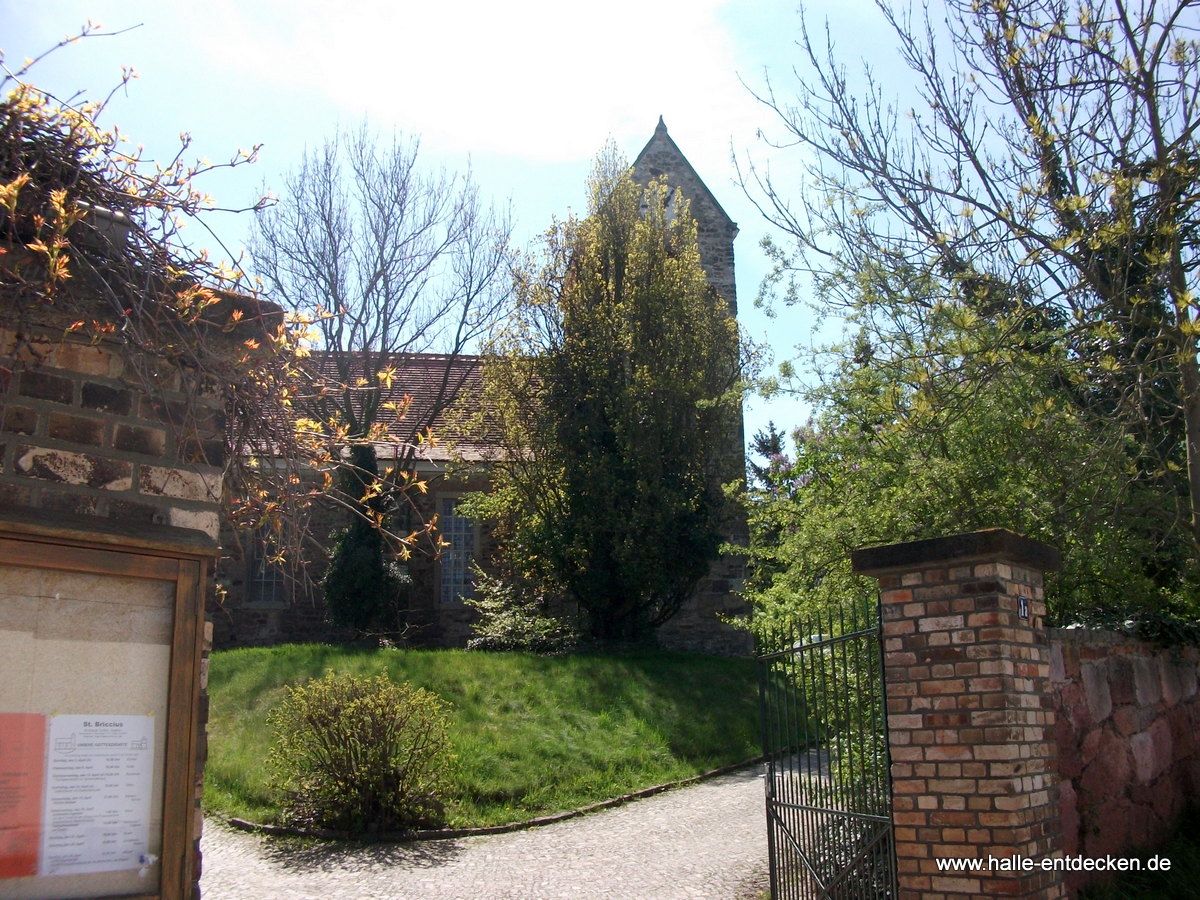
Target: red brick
{"points": [[116, 401], [139, 439], [19, 419], [945, 686]]}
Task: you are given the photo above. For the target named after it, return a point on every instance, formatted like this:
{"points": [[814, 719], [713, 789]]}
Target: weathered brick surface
{"points": [[43, 385], [1127, 728], [117, 400], [19, 420], [76, 429], [89, 442], [967, 676], [140, 439]]}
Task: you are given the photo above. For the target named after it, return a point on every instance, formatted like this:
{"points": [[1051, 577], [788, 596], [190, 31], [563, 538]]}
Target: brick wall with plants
{"points": [[77, 437], [80, 439], [1128, 735]]}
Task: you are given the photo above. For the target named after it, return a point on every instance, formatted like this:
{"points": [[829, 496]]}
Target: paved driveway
{"points": [[703, 841]]}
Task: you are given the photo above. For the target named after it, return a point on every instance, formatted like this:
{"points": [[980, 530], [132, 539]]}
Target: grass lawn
{"points": [[532, 735]]}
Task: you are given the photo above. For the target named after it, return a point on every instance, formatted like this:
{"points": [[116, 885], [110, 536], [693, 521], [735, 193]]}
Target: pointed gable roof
{"points": [[662, 156]]}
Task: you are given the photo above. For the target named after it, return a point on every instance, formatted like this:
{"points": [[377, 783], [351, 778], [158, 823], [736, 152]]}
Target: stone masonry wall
{"points": [[715, 230], [1128, 736], [77, 437]]}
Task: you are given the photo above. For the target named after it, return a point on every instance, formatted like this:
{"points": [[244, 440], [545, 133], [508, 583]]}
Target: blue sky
{"points": [[525, 92]]}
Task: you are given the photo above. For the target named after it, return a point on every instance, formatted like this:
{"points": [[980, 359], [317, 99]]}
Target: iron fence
{"points": [[823, 713]]}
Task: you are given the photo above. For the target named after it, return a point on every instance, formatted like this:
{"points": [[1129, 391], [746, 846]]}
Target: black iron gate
{"points": [[829, 817]]}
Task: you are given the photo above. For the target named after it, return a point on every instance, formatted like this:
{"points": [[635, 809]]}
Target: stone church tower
{"points": [[662, 157], [698, 626]]}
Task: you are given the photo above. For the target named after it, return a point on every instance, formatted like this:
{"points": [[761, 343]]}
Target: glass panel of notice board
{"points": [[90, 770]]}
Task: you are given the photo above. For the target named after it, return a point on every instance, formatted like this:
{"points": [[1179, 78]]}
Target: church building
{"points": [[263, 605]]}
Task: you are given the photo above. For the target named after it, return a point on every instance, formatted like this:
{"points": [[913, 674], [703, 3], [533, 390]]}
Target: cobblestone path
{"points": [[703, 841]]}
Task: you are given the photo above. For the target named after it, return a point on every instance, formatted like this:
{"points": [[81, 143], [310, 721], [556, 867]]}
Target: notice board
{"points": [[100, 648]]}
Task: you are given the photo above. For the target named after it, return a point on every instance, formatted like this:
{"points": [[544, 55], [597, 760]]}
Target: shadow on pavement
{"points": [[299, 855]]}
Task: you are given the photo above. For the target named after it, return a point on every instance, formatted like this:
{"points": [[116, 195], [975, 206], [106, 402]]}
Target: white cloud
{"points": [[549, 80]]}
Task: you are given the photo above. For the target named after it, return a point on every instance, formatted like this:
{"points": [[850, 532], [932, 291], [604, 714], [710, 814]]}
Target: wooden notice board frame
{"points": [[159, 553]]}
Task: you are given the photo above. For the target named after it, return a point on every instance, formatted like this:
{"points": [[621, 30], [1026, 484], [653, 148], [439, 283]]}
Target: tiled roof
{"points": [[443, 391]]}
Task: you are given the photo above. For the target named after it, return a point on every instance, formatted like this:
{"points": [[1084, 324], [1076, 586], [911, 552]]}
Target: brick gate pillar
{"points": [[967, 675]]}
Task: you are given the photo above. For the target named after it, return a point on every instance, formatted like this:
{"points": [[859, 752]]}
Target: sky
{"points": [[525, 93]]}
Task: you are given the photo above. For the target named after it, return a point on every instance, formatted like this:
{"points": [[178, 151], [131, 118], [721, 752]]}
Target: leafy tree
{"points": [[1042, 193], [878, 464], [614, 383], [382, 261]]}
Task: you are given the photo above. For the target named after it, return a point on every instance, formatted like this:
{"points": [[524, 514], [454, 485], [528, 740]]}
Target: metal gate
{"points": [[829, 817]]}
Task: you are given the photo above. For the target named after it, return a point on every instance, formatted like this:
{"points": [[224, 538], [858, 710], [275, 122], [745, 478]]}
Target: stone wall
{"points": [[78, 437], [715, 230], [701, 625], [1128, 737]]}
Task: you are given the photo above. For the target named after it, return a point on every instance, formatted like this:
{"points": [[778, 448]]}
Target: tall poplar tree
{"points": [[615, 383]]}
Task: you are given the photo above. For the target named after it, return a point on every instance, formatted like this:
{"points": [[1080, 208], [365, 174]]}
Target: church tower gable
{"points": [[662, 157]]}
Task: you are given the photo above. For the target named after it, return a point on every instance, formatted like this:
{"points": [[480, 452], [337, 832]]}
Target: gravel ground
{"points": [[703, 841]]}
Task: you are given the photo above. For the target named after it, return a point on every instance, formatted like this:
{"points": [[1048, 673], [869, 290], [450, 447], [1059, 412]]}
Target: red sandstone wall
{"points": [[1128, 734]]}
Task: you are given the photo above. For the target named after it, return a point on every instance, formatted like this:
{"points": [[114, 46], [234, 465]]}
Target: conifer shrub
{"points": [[364, 589], [361, 755]]}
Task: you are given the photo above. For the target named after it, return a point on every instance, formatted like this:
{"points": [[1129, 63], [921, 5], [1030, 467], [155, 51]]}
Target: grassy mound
{"points": [[532, 735]]}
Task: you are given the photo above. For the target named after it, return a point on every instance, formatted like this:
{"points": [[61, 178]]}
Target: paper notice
{"points": [[22, 756], [99, 776]]}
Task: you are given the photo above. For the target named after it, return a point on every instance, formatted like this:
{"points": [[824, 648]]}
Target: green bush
{"points": [[361, 755]]}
